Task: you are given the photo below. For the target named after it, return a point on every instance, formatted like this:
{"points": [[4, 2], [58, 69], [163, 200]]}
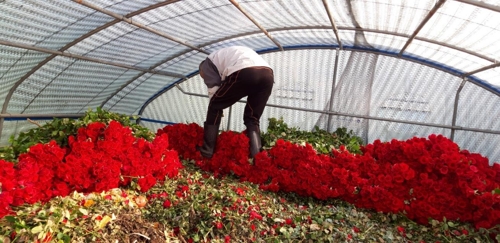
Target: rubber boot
{"points": [[253, 133], [210, 134]]}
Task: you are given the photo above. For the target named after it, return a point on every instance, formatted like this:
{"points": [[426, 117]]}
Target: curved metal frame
{"points": [[422, 24], [127, 17]]}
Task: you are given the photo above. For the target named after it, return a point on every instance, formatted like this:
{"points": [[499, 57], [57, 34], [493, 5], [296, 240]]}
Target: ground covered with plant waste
{"points": [[102, 178]]}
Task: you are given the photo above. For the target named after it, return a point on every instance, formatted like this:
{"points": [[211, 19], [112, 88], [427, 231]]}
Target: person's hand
{"points": [[211, 91]]}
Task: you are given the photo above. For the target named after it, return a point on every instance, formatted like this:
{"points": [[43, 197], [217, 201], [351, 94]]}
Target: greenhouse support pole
{"points": [[421, 25], [332, 95], [332, 22], [455, 108], [1, 126]]}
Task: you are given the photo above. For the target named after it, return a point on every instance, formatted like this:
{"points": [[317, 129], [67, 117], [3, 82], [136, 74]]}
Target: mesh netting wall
{"points": [[14, 127], [479, 109]]}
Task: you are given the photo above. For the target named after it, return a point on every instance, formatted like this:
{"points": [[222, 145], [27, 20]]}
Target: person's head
{"points": [[209, 73]]}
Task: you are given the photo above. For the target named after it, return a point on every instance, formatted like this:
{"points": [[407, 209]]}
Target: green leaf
{"points": [[196, 238], [37, 229], [83, 211], [10, 219], [64, 237]]}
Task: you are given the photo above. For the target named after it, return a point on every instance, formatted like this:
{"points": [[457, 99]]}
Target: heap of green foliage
{"points": [[60, 129], [322, 141]]}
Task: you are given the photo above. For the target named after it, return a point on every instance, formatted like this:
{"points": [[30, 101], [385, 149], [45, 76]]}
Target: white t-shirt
{"points": [[227, 61], [231, 59]]}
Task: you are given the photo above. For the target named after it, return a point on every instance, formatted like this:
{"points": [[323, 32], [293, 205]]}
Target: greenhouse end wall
{"points": [[374, 100]]}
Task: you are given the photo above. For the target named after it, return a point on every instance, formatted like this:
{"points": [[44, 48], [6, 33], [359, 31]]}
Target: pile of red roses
{"points": [[99, 158], [191, 136], [421, 177]]}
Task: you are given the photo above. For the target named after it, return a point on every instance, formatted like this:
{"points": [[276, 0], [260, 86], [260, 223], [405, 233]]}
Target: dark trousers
{"points": [[254, 82]]}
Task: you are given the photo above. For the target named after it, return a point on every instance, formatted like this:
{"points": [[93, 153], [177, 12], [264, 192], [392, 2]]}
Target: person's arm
{"points": [[211, 91]]}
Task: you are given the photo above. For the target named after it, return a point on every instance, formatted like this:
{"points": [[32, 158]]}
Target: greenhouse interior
{"points": [[387, 71]]}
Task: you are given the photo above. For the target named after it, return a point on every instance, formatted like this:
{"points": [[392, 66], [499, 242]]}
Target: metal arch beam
{"points": [[150, 70], [139, 25], [494, 65], [332, 22], [421, 25], [487, 6], [425, 40], [481, 5], [48, 116], [237, 5], [353, 29]]}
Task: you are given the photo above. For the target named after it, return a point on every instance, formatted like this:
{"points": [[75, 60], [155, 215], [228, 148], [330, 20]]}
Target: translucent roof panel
{"points": [[479, 113], [384, 42], [67, 86], [14, 64], [442, 55], [297, 37], [398, 16], [186, 63], [287, 13], [50, 24], [256, 41], [131, 97], [121, 7], [126, 44], [198, 22], [471, 28]]}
